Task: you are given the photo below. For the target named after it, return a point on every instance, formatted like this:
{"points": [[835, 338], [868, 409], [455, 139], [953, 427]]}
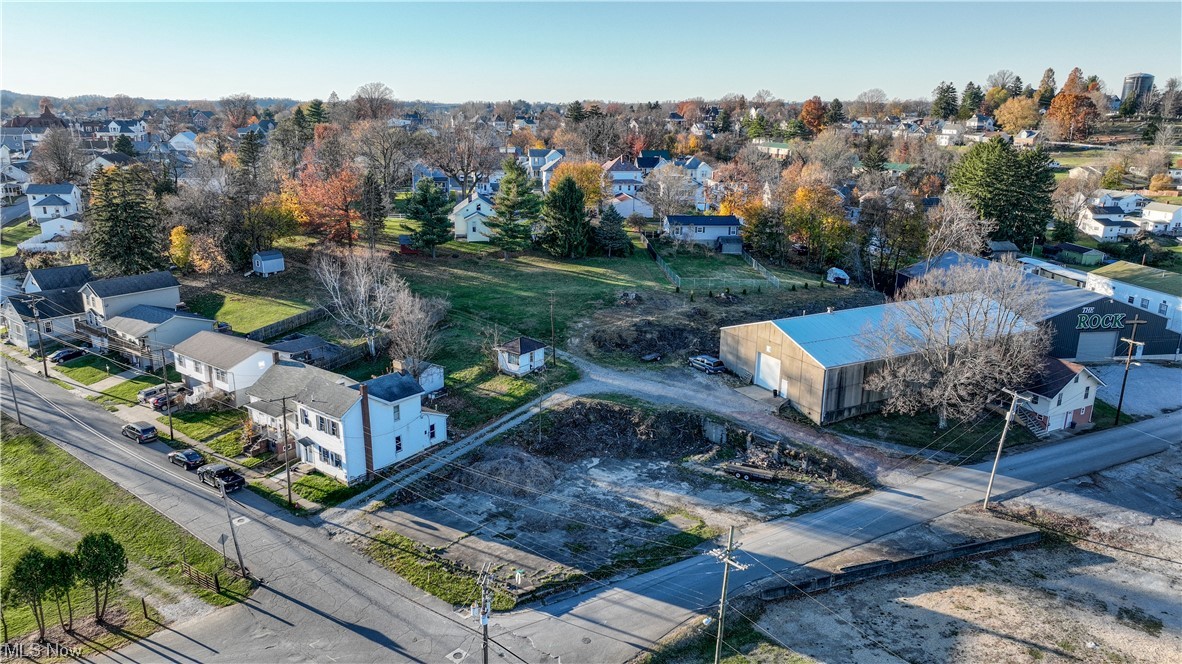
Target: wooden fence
{"points": [[287, 324], [207, 581], [348, 356]]}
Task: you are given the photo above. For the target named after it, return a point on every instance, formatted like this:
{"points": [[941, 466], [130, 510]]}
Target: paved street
{"points": [[10, 213], [322, 602]]}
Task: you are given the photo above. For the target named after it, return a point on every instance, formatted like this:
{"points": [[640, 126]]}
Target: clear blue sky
{"points": [[560, 51]]}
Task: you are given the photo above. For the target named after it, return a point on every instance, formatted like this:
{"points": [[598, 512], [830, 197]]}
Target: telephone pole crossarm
{"points": [[728, 561]]}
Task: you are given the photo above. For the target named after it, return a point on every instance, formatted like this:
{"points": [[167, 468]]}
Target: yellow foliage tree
{"points": [[180, 247], [588, 175], [1018, 113], [207, 256]]}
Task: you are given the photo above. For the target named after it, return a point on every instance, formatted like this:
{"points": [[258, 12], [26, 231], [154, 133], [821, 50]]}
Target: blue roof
{"points": [[51, 200], [58, 188], [268, 254], [703, 220]]}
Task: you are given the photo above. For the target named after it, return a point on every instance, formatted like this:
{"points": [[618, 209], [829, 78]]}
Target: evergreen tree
{"points": [[517, 207], [836, 114], [575, 112], [316, 112], [566, 229], [970, 100], [1128, 107], [765, 232], [123, 144], [122, 234], [1064, 231], [1046, 88], [1013, 187], [29, 582], [1016, 87], [611, 235], [944, 104], [794, 129], [372, 208], [62, 578], [594, 111], [250, 152], [875, 158], [430, 206], [722, 122], [303, 125]]}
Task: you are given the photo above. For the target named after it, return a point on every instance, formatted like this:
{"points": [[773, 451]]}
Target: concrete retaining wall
{"points": [[875, 570]]}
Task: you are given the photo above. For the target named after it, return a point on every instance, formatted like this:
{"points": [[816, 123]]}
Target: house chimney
{"points": [[274, 357], [366, 433]]}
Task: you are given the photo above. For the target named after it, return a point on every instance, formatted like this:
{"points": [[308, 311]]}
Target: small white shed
{"points": [[836, 275], [521, 356], [267, 262]]}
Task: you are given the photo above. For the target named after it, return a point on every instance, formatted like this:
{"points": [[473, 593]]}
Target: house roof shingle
{"points": [[143, 318], [522, 345], [218, 350], [136, 283], [704, 220], [57, 188], [393, 387], [50, 303], [1054, 375], [68, 276], [322, 391]]}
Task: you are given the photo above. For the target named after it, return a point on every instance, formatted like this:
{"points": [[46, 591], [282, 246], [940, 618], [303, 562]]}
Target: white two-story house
{"points": [[1062, 397], [213, 364], [104, 298], [345, 429], [1127, 201], [623, 177], [1164, 217], [49, 201], [470, 217]]}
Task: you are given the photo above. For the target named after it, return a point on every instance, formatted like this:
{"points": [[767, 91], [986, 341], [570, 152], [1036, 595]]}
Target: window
{"points": [[198, 367], [1144, 303], [321, 423], [397, 413], [304, 418], [1059, 401], [1163, 308], [181, 361], [334, 429], [1132, 300], [48, 327], [699, 229], [397, 443], [431, 432], [1034, 399], [219, 374], [336, 459], [324, 453], [1087, 391]]}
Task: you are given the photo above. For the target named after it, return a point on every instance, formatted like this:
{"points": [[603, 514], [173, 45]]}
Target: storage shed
{"points": [[521, 356], [267, 262]]}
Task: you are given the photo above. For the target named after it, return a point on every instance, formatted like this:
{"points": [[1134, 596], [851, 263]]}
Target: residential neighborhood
{"points": [[625, 358]]}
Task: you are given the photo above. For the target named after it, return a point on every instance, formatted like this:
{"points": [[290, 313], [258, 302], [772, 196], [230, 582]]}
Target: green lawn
{"points": [[427, 572], [90, 369], [203, 425], [64, 493], [128, 391], [324, 490], [1172, 200], [709, 265], [245, 312], [228, 445], [1071, 157], [14, 235]]}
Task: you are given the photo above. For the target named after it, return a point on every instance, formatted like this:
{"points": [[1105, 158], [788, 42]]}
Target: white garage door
{"points": [[767, 372], [1096, 345]]}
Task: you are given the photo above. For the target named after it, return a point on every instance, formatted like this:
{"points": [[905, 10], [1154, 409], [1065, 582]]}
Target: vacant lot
{"points": [[126, 393], [1105, 590], [51, 500], [592, 490], [959, 442]]}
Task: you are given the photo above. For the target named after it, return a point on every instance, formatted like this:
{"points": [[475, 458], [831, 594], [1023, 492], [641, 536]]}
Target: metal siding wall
{"points": [[1158, 339]]}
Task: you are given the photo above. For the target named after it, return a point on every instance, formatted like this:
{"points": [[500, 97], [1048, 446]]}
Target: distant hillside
{"points": [[17, 102]]}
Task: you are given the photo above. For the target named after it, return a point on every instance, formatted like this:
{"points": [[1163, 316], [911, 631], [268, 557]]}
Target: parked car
{"points": [[707, 363], [65, 355], [218, 475], [190, 459], [168, 399], [140, 432], [146, 395]]}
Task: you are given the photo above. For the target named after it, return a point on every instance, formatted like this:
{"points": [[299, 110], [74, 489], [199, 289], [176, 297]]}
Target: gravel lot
{"points": [[1152, 389]]}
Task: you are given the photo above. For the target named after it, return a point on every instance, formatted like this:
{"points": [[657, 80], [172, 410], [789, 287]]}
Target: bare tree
{"points": [[870, 103], [1001, 79], [954, 225], [669, 190], [831, 148], [413, 330], [121, 106], [374, 101], [465, 152], [388, 151], [362, 291], [957, 338], [59, 157], [238, 109], [1071, 196]]}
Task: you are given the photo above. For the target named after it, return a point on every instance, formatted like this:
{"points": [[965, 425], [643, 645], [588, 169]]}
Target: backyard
{"points": [[50, 499], [14, 235]]}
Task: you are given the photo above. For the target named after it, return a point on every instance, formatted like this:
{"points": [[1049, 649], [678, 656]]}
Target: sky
{"points": [[559, 51]]}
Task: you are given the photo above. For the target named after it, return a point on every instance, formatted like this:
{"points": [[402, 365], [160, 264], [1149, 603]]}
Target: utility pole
{"points": [[40, 341], [484, 612], [553, 334], [167, 390], [727, 563], [11, 386], [286, 450], [1015, 397], [233, 531], [1131, 341]]}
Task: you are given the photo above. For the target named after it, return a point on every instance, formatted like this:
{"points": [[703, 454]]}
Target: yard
{"points": [[962, 441], [126, 393], [14, 235], [245, 312], [51, 499], [700, 263], [90, 369], [202, 425]]}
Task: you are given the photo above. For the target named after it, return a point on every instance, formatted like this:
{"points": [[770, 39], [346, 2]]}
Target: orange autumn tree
{"points": [[326, 202], [1072, 112], [812, 114]]}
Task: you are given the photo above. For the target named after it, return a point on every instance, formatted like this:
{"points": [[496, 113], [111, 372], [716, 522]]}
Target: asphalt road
{"points": [[322, 602], [10, 213]]}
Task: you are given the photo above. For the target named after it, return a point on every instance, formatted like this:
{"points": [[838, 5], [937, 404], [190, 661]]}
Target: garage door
{"points": [[1096, 345], [767, 372]]}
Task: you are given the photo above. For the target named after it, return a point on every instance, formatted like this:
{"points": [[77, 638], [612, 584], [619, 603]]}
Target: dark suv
{"points": [[217, 475], [140, 432]]}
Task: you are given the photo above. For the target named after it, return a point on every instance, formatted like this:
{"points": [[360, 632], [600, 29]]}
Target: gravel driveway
{"points": [[1152, 389]]}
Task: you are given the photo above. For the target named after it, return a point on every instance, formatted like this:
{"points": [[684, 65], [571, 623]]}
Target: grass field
{"points": [[703, 265], [202, 425], [126, 392], [324, 490], [65, 499], [14, 235], [244, 312], [90, 369]]}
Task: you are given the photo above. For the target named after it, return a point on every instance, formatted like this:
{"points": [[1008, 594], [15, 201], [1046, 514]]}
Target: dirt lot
{"points": [[1110, 597], [599, 489], [674, 327]]}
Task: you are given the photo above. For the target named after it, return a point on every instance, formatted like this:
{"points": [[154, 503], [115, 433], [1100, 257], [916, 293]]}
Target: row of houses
{"points": [[1110, 214]]}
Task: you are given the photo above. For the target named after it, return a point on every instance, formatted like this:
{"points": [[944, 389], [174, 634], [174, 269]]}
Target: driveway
{"points": [[1153, 389]]}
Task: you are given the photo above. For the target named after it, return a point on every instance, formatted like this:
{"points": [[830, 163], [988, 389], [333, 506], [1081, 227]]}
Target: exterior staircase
{"points": [[1031, 422]]}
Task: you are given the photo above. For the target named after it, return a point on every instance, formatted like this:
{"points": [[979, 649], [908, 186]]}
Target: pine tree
{"points": [[250, 152], [123, 144], [722, 121], [611, 235], [836, 114], [430, 206], [316, 113], [372, 208], [1064, 231], [875, 157], [303, 126], [566, 228], [1011, 186], [122, 234], [1016, 87], [575, 112], [944, 104], [970, 100], [1046, 88], [765, 232], [517, 207]]}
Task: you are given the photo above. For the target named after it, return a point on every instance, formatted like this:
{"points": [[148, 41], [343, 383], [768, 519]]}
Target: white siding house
{"points": [[521, 356], [1163, 213], [628, 205], [212, 364], [469, 218], [47, 201], [1062, 399], [701, 229]]}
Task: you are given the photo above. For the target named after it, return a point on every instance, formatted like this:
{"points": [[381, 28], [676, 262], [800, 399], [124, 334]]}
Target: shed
{"points": [[999, 249], [268, 262], [729, 244], [430, 375], [521, 356], [1079, 255], [836, 275]]}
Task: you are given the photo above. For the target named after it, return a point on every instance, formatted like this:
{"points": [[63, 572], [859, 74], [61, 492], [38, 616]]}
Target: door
{"points": [[1094, 346], [767, 372]]}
